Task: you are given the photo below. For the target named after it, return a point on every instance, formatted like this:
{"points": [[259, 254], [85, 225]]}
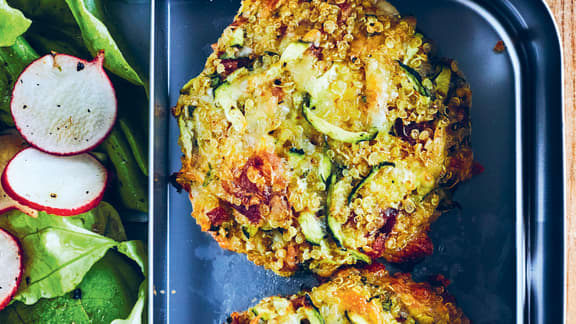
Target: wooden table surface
{"points": [[565, 14]]}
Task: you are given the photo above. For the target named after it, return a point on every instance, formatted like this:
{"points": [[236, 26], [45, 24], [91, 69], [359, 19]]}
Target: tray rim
{"points": [[564, 156], [524, 278]]}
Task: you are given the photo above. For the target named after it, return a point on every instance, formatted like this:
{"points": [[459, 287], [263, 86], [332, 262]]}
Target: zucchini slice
{"points": [[443, 81], [354, 318], [312, 227], [312, 313], [237, 38], [226, 96], [369, 177], [249, 231], [335, 226], [415, 78], [333, 131], [313, 316], [359, 256], [325, 168]]}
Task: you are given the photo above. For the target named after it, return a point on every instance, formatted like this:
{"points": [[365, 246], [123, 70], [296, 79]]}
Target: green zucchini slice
{"points": [[367, 179], [333, 131], [226, 96], [312, 227], [335, 226], [237, 37], [312, 313], [325, 168], [415, 78]]}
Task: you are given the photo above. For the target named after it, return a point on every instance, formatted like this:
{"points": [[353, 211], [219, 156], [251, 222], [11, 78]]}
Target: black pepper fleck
{"points": [[77, 293], [80, 66]]}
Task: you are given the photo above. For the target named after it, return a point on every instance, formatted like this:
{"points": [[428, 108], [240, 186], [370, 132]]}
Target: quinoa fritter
{"points": [[323, 133], [359, 297]]}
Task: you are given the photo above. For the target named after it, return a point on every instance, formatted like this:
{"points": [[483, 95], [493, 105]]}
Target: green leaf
{"points": [[12, 24], [17, 57], [59, 251], [137, 312], [47, 38], [132, 184], [55, 12], [108, 291], [136, 145], [13, 60], [88, 15], [103, 220], [135, 250]]}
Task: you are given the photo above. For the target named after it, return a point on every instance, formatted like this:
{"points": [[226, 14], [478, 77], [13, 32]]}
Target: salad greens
{"points": [[88, 15], [55, 29], [131, 179], [61, 252], [79, 269], [110, 284], [84, 18], [12, 24], [13, 59]]}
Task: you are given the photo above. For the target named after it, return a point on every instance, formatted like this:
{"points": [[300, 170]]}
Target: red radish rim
{"points": [[11, 294], [53, 211], [98, 59]]}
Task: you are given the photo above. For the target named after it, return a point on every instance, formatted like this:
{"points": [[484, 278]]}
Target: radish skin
{"points": [[64, 105], [63, 185], [12, 267]]}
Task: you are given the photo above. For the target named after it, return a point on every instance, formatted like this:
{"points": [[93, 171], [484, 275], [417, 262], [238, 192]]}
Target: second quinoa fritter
{"points": [[360, 296], [322, 134]]}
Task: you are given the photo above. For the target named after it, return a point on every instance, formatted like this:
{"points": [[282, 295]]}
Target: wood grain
{"points": [[565, 13]]}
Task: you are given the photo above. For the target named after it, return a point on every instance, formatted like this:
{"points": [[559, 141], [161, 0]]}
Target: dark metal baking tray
{"points": [[503, 251]]}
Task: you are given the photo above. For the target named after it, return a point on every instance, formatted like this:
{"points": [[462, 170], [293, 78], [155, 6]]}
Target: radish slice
{"points": [[59, 185], [10, 144], [11, 269], [64, 105]]}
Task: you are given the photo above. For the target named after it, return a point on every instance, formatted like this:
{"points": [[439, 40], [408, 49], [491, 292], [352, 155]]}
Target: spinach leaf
{"points": [[12, 24], [108, 291], [89, 15]]}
